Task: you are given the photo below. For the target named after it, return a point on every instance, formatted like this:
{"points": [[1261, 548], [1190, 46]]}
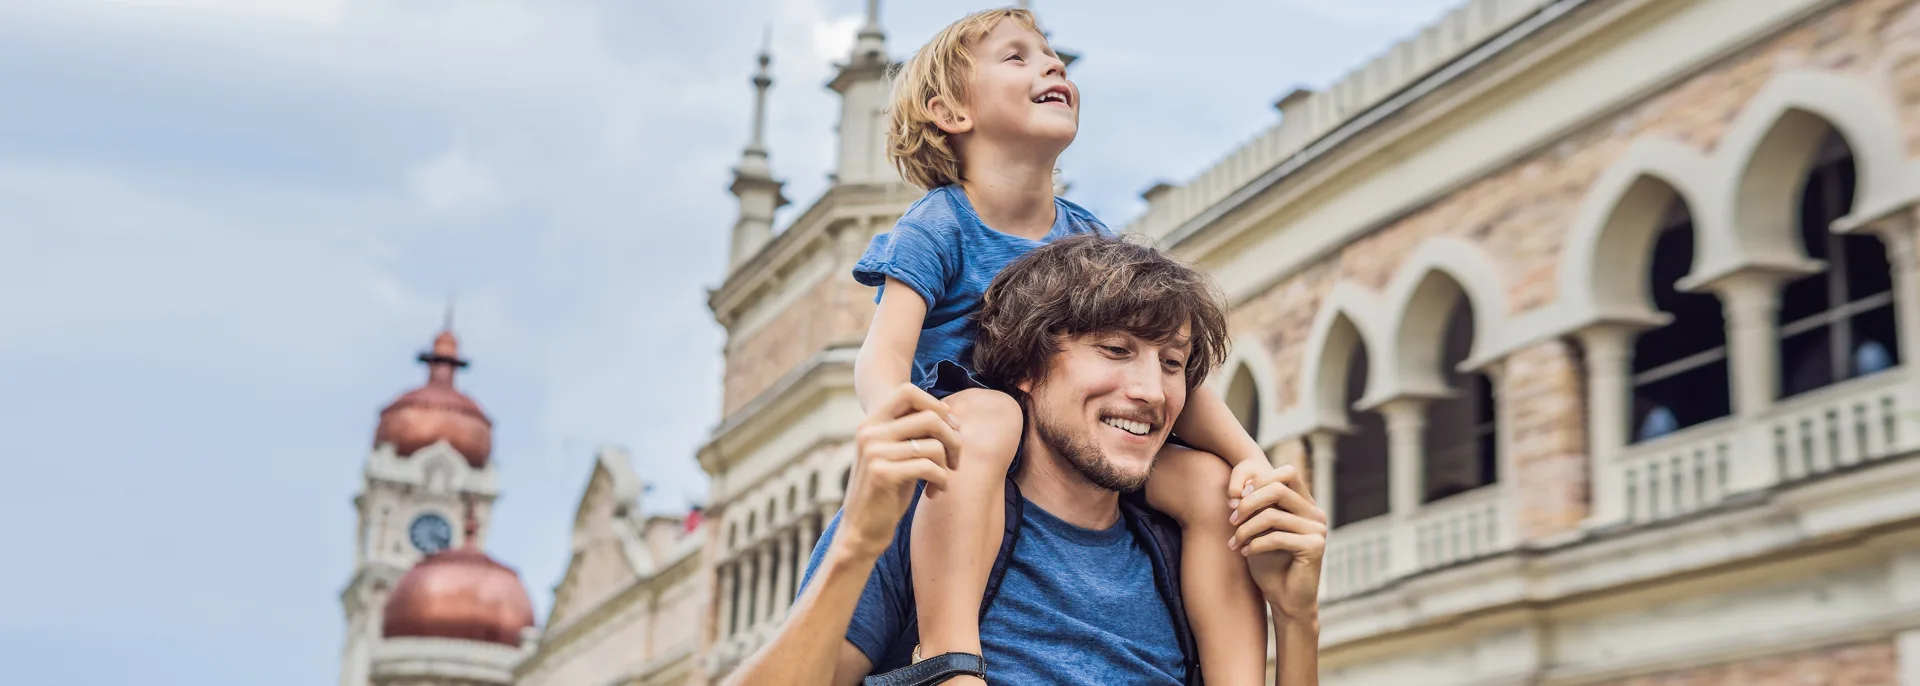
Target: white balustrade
{"points": [[1357, 559], [1842, 425], [1460, 527]]}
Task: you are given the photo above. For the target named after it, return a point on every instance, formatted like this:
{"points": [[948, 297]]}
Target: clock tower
{"points": [[428, 465]]}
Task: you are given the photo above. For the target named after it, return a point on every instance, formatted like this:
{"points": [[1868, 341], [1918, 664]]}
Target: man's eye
{"points": [[1114, 349]]}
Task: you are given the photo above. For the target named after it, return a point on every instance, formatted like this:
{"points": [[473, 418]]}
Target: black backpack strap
{"points": [[1162, 537], [1009, 536]]}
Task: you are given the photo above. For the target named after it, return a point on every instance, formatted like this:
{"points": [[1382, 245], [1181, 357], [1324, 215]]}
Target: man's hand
{"points": [[909, 437], [1283, 535]]}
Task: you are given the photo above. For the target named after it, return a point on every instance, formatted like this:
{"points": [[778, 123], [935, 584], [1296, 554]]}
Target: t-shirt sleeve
{"points": [[881, 616], [919, 257]]}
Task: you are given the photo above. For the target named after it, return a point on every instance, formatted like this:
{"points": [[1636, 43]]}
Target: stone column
{"points": [[1406, 433], [1609, 353], [770, 553], [1903, 256], [1323, 457], [1904, 584], [723, 600], [1752, 304], [774, 567]]}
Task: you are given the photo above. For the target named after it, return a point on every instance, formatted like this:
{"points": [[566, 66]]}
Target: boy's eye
{"points": [[1015, 56]]}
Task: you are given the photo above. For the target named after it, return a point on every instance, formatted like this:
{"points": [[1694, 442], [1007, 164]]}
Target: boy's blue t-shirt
{"points": [[1076, 606], [943, 251]]}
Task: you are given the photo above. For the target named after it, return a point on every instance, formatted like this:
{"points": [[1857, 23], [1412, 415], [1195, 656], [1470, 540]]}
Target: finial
{"points": [[472, 524], [1022, 6], [447, 324], [762, 80]]}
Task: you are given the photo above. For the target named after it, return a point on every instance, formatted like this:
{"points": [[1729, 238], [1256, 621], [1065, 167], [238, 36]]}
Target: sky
{"points": [[227, 227]]}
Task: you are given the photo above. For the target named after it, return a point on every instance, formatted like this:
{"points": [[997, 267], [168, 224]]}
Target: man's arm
{"points": [[1283, 535], [907, 439]]}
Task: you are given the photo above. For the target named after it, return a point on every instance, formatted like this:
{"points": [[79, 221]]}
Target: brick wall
{"points": [[835, 310]]}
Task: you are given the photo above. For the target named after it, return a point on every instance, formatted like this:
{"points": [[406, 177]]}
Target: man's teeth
{"points": [[1129, 426]]}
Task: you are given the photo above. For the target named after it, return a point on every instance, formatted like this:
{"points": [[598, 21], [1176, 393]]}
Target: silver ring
{"points": [[915, 442]]}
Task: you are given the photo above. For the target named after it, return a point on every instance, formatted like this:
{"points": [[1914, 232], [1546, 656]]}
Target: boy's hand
{"points": [[1244, 473], [1283, 535], [908, 438]]}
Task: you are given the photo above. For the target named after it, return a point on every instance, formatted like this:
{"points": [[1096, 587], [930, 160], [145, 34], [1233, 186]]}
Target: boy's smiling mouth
{"points": [[1056, 94]]}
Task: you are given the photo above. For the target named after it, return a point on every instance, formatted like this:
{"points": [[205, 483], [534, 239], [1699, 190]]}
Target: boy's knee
{"points": [[990, 426], [983, 405], [1194, 484]]}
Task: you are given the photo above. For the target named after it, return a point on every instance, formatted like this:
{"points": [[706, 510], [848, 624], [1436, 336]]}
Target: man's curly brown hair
{"points": [[1092, 284]]}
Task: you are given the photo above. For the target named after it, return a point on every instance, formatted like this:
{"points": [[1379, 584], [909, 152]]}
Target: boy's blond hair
{"points": [[941, 68]]}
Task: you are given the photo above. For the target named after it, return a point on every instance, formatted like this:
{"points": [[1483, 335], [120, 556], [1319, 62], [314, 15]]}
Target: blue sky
{"points": [[226, 227]]}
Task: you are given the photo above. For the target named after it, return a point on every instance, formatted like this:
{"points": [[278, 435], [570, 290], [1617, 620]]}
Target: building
{"points": [[426, 606], [1592, 321], [1595, 321], [1589, 317]]}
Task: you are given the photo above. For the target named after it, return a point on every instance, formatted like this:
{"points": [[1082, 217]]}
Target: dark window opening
{"points": [[1838, 324], [1360, 464], [1460, 442], [1679, 370], [1244, 401]]}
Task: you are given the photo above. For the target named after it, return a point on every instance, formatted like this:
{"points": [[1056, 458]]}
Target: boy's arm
{"points": [[1207, 424], [886, 356], [1297, 657]]}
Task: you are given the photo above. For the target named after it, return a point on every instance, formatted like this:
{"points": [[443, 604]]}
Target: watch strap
{"points": [[933, 670]]}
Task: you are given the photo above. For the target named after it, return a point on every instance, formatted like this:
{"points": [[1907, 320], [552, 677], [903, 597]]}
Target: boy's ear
{"points": [[949, 119]]}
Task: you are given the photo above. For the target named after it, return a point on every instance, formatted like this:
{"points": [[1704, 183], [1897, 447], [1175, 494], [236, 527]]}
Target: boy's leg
{"points": [[953, 545], [1223, 604]]}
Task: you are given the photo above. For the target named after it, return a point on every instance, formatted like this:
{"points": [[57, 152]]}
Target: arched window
{"points": [[1680, 369], [793, 498], [1838, 324], [813, 486], [1243, 399], [1360, 466], [1461, 449], [753, 590]]}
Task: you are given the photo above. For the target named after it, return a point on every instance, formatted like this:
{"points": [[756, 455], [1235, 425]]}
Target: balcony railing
{"points": [[1848, 423], [1366, 555]]}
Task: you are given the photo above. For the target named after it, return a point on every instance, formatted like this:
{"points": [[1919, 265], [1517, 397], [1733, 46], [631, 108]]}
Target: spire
{"points": [[754, 158], [871, 43], [754, 187]]}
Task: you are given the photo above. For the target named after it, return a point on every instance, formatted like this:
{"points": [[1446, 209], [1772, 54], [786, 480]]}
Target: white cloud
{"points": [[452, 181]]}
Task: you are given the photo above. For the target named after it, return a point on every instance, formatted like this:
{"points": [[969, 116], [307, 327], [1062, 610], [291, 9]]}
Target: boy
{"points": [[979, 117]]}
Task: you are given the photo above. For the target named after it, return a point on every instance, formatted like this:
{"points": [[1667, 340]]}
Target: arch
{"points": [[1243, 400], [1339, 327], [1770, 147], [1250, 355], [1423, 294], [1604, 261]]}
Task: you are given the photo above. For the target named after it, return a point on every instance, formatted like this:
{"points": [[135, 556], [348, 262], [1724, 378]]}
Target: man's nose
{"points": [[1145, 383]]}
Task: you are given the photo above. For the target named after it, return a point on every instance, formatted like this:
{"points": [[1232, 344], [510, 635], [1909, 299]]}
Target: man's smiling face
{"points": [[1107, 402]]}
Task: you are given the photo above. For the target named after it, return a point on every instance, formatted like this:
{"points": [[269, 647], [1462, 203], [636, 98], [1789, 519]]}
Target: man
{"points": [[1097, 337]]}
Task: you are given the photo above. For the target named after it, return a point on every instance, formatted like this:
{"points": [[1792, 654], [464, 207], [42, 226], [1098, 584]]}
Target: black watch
{"points": [[931, 671]]}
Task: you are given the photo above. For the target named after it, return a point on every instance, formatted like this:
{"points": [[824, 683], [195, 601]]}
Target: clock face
{"points": [[430, 533]]}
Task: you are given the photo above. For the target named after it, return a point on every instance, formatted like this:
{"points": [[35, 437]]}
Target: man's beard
{"points": [[1086, 457]]}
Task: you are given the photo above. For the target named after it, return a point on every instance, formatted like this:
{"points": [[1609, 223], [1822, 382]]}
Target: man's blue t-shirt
{"points": [[1076, 606], [943, 251]]}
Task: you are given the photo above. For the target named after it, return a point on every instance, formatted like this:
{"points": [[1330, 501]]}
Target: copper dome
{"points": [[459, 593], [437, 411]]}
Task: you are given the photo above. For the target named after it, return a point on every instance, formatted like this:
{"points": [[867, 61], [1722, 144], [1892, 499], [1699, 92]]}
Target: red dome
{"points": [[459, 593], [437, 411]]}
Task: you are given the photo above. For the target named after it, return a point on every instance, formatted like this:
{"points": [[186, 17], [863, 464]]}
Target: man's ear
{"points": [[952, 120]]}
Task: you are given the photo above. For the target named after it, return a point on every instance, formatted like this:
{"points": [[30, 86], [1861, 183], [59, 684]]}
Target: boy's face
{"points": [[1020, 88]]}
